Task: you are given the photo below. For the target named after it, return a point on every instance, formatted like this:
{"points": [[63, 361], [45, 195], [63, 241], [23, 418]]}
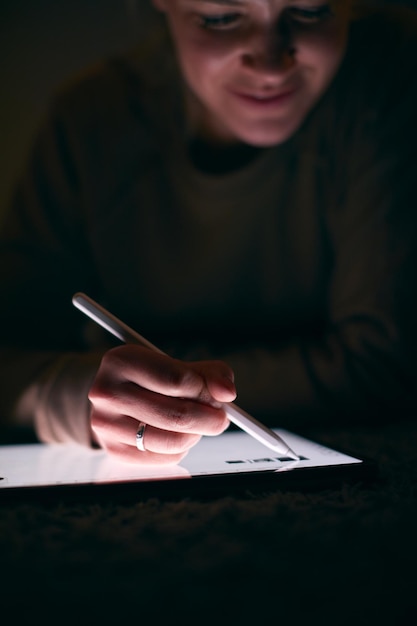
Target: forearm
{"points": [[48, 392], [344, 376]]}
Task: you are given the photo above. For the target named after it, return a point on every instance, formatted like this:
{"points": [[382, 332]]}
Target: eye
{"points": [[219, 22], [311, 15]]}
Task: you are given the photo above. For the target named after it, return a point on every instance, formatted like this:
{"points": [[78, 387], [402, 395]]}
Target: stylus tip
{"points": [[291, 454]]}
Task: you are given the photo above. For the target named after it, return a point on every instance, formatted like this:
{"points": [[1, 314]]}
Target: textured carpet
{"points": [[339, 556]]}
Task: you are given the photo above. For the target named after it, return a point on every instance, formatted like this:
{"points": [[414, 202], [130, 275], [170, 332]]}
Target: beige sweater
{"points": [[298, 268]]}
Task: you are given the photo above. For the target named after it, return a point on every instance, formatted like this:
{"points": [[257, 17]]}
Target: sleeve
{"points": [[44, 375], [363, 365], [86, 156]]}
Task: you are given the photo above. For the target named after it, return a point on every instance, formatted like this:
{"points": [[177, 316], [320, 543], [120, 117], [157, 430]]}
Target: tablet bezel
{"points": [[207, 486]]}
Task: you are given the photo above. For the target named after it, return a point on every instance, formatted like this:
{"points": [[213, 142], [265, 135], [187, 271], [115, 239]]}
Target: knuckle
{"points": [[97, 392], [102, 394], [97, 420], [111, 359], [180, 418], [180, 443], [114, 363], [185, 382], [220, 424]]}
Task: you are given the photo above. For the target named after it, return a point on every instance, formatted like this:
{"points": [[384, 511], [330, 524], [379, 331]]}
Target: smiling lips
{"points": [[265, 99]]}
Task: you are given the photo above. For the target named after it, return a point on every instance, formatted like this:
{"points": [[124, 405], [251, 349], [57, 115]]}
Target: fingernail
{"points": [[229, 384]]}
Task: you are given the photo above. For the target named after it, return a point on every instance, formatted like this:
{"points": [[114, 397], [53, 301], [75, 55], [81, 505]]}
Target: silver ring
{"points": [[139, 437]]}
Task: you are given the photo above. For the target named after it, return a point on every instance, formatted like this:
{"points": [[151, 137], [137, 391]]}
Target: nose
{"points": [[269, 51]]}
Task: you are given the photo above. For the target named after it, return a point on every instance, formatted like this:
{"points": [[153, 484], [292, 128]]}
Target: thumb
{"points": [[219, 378]]}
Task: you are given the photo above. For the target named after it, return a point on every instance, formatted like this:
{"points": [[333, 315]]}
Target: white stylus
{"points": [[126, 334]]}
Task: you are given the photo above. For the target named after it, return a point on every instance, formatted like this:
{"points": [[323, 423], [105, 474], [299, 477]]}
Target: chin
{"points": [[268, 134], [267, 138]]}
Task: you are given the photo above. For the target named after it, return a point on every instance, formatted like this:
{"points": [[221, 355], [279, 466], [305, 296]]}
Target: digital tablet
{"points": [[227, 464]]}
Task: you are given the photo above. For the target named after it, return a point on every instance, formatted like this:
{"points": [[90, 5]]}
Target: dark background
{"points": [[345, 556], [44, 41]]}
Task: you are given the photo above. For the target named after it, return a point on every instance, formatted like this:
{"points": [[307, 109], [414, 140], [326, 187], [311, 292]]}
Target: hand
{"points": [[178, 401]]}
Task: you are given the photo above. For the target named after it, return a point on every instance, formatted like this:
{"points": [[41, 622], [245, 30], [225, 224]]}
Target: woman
{"points": [[241, 191]]}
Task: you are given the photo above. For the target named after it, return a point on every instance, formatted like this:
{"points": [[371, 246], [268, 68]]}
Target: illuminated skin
{"points": [[178, 401], [253, 70]]}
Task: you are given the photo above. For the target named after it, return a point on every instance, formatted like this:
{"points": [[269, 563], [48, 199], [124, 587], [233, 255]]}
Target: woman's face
{"points": [[255, 68]]}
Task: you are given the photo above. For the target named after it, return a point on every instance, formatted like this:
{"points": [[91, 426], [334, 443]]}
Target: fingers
{"points": [[128, 454], [118, 436], [123, 429], [163, 412], [179, 402], [219, 379], [153, 371]]}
